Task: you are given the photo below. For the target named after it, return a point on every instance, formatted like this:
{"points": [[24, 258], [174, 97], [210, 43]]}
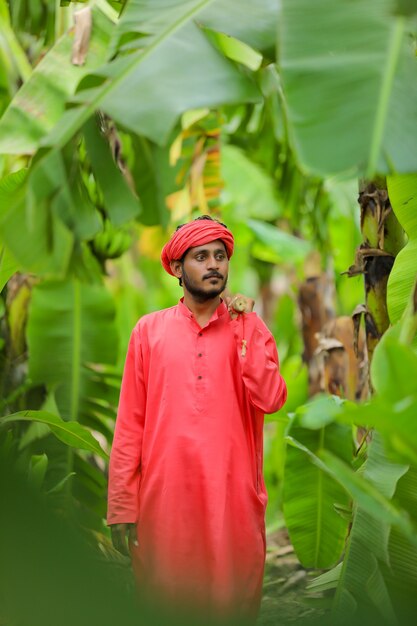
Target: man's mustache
{"points": [[213, 275]]}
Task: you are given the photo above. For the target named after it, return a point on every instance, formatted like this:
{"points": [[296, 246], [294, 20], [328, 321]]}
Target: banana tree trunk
{"points": [[343, 363], [383, 238], [316, 302]]}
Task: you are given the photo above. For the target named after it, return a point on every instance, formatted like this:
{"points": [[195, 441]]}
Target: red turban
{"points": [[195, 233]]}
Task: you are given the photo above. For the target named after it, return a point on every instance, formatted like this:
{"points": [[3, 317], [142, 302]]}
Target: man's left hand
{"points": [[121, 535], [239, 304]]}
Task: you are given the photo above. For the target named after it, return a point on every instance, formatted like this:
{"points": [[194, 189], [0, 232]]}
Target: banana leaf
{"points": [[394, 371], [349, 77], [316, 530], [48, 207], [120, 202], [40, 102], [241, 19], [70, 324], [367, 553], [72, 434], [14, 64], [154, 179], [402, 192], [248, 186], [274, 245], [402, 574], [51, 241], [166, 66], [8, 266]]}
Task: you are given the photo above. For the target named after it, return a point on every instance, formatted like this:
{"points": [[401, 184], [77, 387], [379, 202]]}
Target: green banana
{"points": [[111, 242]]}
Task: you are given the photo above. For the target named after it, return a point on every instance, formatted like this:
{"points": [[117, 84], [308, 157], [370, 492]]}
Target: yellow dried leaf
{"points": [[179, 203], [82, 27], [151, 241]]}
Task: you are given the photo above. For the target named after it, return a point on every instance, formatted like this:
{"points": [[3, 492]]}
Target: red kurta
{"points": [[186, 462]]}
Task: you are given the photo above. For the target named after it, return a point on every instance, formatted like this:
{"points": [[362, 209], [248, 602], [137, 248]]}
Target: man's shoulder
{"points": [[156, 317], [258, 323]]}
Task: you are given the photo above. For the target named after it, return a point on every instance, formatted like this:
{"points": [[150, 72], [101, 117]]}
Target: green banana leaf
{"points": [[402, 574], [326, 581], [248, 186], [154, 179], [405, 7], [367, 554], [395, 422], [394, 370], [99, 408], [120, 202], [50, 240], [316, 530], [370, 498], [36, 18], [392, 412], [349, 76], [14, 65], [70, 324], [71, 433], [402, 191], [40, 102], [9, 42], [8, 266], [89, 487], [166, 66], [274, 245], [295, 373], [235, 50], [48, 208], [37, 470], [255, 24]]}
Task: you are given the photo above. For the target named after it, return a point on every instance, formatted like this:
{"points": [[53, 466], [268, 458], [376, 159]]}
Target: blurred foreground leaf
{"points": [[71, 433]]}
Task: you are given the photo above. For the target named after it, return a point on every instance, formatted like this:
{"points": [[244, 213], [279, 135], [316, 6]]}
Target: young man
{"points": [[185, 478]]}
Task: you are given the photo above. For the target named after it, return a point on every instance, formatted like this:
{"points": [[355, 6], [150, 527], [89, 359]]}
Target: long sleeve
{"points": [[125, 457], [259, 362]]}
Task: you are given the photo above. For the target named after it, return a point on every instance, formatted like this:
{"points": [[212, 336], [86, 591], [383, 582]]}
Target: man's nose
{"points": [[212, 262]]}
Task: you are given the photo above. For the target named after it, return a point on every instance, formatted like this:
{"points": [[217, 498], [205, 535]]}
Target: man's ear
{"points": [[176, 267]]}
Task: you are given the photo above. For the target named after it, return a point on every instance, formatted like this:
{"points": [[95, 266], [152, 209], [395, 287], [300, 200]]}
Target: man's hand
{"points": [[239, 304], [122, 532]]}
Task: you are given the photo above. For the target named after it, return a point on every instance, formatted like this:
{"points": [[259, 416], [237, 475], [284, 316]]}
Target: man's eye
{"points": [[220, 257], [200, 257]]}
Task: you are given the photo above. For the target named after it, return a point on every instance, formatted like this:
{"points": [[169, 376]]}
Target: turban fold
{"points": [[195, 233]]}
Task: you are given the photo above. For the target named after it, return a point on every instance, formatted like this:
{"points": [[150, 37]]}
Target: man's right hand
{"points": [[121, 535]]}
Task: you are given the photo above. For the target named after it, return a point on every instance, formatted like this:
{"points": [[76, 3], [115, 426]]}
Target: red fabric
{"points": [[195, 233], [186, 462]]}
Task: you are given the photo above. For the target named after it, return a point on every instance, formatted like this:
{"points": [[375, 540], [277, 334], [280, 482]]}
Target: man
{"points": [[185, 476]]}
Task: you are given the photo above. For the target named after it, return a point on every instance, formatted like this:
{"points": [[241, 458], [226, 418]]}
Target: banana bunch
{"points": [[111, 242]]}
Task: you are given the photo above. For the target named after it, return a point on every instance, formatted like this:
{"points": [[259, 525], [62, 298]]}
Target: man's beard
{"points": [[200, 295]]}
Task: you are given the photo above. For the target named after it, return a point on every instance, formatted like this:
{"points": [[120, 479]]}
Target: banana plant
{"points": [[383, 239], [31, 123], [376, 577]]}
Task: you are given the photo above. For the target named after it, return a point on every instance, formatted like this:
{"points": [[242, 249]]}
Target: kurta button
{"points": [[199, 377], [200, 354], [200, 334]]}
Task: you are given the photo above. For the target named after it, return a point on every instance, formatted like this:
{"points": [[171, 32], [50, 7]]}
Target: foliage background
{"points": [[266, 116]]}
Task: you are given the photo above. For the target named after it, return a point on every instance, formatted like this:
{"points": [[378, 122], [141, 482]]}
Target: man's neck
{"points": [[202, 311]]}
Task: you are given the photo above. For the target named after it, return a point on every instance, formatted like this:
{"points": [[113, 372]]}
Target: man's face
{"points": [[205, 270]]}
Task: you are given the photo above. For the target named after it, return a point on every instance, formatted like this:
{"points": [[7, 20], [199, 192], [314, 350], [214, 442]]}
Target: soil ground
{"points": [[284, 592]]}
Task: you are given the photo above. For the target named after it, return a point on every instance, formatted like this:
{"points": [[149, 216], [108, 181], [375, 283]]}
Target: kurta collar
{"points": [[219, 312]]}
